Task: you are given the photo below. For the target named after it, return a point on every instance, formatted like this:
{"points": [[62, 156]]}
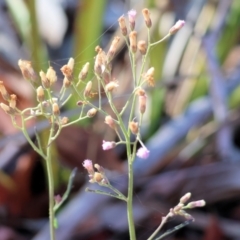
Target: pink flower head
{"points": [[178, 25], [131, 17], [143, 152], [108, 145], [87, 164]]}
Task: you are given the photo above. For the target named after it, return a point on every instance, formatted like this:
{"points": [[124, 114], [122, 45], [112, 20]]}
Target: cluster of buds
{"points": [[96, 176], [181, 207]]}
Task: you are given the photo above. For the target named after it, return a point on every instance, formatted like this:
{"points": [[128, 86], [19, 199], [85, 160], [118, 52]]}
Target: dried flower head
{"points": [[51, 75], [133, 41], [146, 16], [98, 177], [100, 61], [111, 86], [4, 92], [45, 81], [113, 48], [27, 70], [84, 72], [142, 47], [178, 25], [122, 25], [131, 18]]}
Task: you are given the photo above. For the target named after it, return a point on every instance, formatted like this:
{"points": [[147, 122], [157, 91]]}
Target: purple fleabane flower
{"points": [[108, 145], [131, 17], [143, 152], [87, 164]]}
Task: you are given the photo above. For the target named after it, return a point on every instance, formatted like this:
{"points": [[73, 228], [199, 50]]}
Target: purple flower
{"points": [[143, 153], [131, 17], [108, 145], [87, 164]]}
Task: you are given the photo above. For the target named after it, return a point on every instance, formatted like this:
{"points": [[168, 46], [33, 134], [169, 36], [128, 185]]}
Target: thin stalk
{"points": [[131, 225], [50, 186]]}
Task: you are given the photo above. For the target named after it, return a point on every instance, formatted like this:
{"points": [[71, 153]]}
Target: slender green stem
{"points": [[50, 185], [130, 195]]}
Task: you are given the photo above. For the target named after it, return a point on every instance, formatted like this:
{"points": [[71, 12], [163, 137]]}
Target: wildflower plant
{"points": [[49, 106]]}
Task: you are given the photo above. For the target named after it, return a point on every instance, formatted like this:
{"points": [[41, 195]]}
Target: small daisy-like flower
{"points": [[143, 152], [108, 145]]}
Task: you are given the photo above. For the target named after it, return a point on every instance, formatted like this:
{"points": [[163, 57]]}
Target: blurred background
{"points": [[192, 125]]}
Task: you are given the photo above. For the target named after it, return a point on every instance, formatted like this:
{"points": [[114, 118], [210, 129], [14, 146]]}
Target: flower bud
{"points": [[84, 72], [133, 126], [100, 61], [185, 198], [142, 104], [113, 48], [51, 76], [108, 145], [199, 203], [131, 18], [13, 101], [7, 109], [64, 120], [27, 70], [66, 82], [45, 81], [111, 86], [110, 122], [133, 41], [92, 112], [150, 76], [55, 109], [146, 16], [142, 47], [178, 25], [87, 89], [98, 177], [40, 94], [122, 25], [4, 92]]}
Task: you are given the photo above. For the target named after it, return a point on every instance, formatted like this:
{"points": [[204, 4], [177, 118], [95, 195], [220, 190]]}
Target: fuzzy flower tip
{"points": [[143, 153], [132, 15], [178, 25], [108, 145], [87, 164]]}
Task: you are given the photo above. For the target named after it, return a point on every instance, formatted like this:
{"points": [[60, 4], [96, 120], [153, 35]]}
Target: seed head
{"points": [[27, 70], [40, 94], [45, 81], [51, 76]]}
